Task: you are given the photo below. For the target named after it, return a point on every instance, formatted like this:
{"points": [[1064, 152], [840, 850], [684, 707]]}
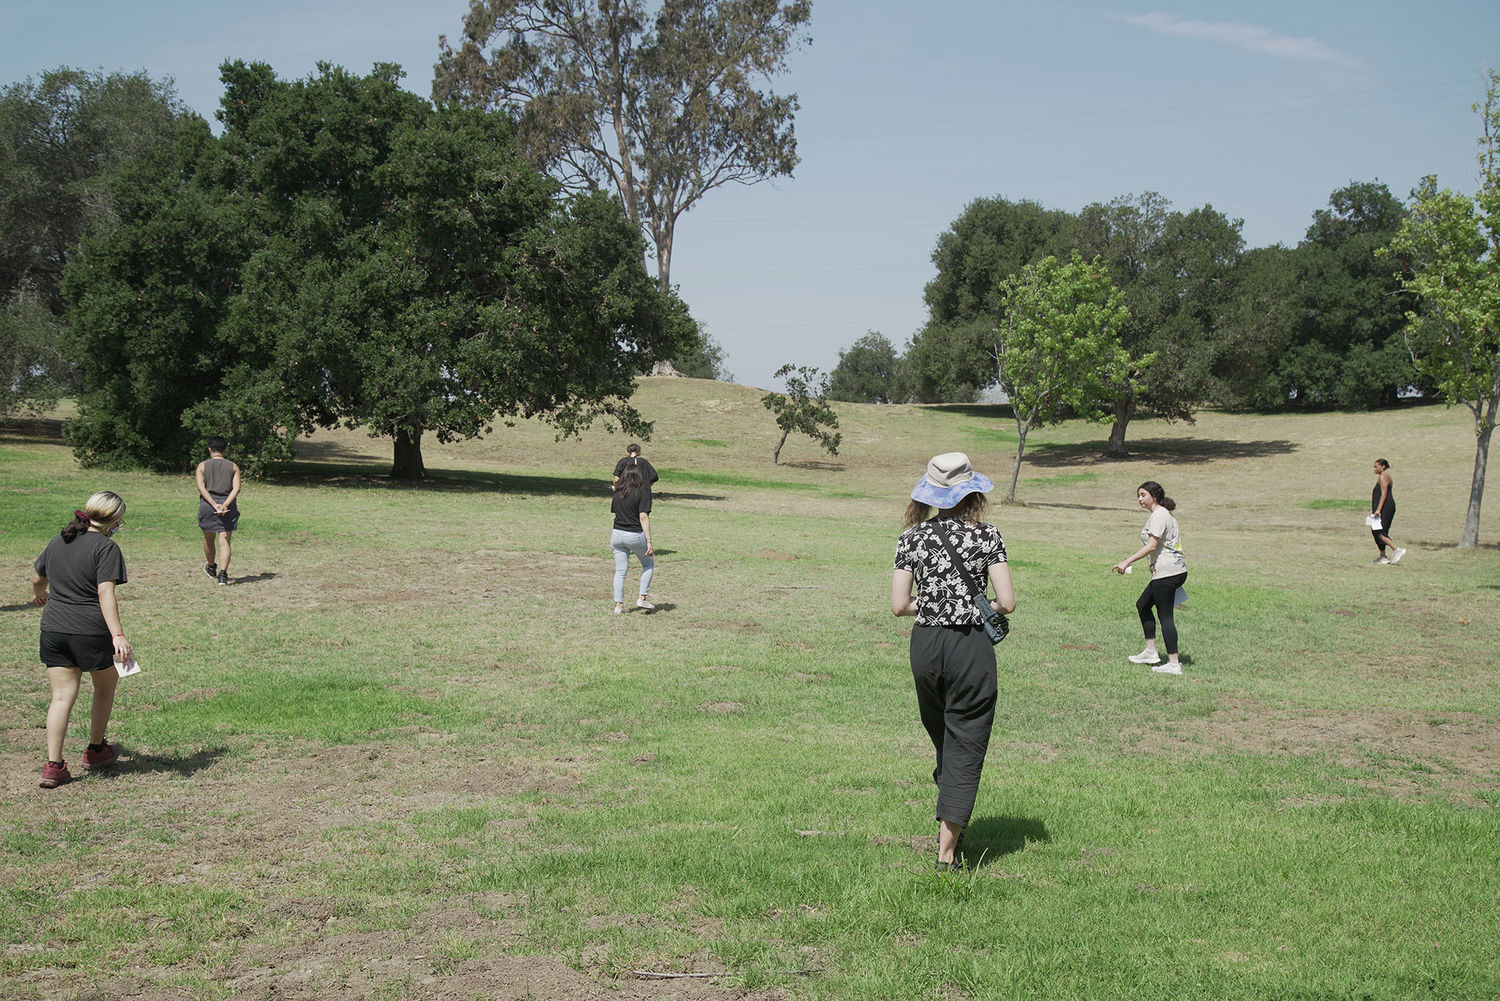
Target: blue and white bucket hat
{"points": [[949, 478]]}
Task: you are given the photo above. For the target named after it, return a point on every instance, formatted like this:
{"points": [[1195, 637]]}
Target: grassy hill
{"points": [[411, 754]]}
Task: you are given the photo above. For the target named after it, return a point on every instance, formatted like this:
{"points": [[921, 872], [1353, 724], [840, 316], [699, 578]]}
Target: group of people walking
{"points": [[947, 561], [74, 583]]}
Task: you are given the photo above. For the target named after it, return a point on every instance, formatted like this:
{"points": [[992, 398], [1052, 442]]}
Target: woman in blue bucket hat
{"points": [[943, 559]]}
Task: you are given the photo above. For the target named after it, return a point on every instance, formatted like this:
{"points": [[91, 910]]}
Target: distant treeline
{"points": [[1314, 326]]}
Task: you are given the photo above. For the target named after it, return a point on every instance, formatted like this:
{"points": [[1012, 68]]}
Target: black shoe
{"points": [[957, 865], [212, 569], [224, 577]]}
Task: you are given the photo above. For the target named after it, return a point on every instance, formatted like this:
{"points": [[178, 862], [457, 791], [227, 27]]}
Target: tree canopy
{"points": [[1451, 243], [659, 102], [870, 371], [347, 254], [63, 137], [803, 409], [1057, 349]]}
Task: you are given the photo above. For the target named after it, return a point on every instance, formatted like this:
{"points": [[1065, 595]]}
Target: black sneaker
{"points": [[224, 577], [212, 569]]}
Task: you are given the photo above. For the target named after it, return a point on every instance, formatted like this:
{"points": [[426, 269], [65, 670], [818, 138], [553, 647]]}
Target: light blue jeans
{"points": [[625, 543]]}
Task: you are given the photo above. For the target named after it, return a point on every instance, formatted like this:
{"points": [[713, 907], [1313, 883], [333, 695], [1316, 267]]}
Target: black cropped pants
{"points": [[1160, 594], [954, 671]]}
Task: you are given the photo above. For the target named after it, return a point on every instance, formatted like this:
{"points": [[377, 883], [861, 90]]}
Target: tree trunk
{"points": [[408, 462], [1124, 410], [1015, 469], [776, 455], [664, 257], [1476, 486]]}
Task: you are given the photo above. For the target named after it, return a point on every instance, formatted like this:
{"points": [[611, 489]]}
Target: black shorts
{"points": [[89, 653]]}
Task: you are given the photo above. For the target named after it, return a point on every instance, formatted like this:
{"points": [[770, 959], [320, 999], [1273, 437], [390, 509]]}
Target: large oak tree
{"points": [[347, 254]]}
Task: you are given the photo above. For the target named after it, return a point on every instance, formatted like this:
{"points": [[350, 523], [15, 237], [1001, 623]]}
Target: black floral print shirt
{"points": [[943, 596]]}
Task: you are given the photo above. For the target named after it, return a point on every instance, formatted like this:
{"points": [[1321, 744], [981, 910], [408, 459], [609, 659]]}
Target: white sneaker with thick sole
{"points": [[643, 603], [1167, 668], [1380, 561], [1396, 558], [1145, 657]]}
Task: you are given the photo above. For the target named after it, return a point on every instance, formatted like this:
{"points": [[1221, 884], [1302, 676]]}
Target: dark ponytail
{"points": [[1158, 494], [76, 527]]}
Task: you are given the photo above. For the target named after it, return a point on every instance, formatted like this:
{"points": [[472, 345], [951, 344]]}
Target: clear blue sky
{"points": [[909, 111]]}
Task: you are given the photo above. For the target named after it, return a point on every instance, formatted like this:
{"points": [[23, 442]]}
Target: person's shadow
{"points": [[987, 839], [143, 764], [253, 578]]}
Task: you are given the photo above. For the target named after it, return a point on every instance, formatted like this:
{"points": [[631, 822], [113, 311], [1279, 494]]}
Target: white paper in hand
{"points": [[128, 668]]}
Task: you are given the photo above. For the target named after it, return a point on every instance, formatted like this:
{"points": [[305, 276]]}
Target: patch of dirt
{"points": [[1452, 754], [722, 708]]}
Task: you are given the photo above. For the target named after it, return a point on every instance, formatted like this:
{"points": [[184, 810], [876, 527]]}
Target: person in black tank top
{"points": [[1383, 506], [218, 513]]}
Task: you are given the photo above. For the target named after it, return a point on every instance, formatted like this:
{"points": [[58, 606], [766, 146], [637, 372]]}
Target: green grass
{"points": [[1336, 504], [413, 742]]}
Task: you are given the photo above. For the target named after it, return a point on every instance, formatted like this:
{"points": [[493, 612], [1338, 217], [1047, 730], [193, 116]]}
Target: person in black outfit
{"points": [[952, 660], [1383, 506], [632, 534], [75, 582], [633, 458]]}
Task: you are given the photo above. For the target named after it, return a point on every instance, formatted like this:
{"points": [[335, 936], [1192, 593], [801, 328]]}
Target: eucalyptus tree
{"points": [[660, 102]]}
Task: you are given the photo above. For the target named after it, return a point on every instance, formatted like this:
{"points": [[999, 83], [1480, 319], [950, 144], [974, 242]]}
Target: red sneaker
{"points": [[106, 755], [54, 774]]}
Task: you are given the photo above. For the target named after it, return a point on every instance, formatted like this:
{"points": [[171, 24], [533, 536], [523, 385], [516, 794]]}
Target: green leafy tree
{"points": [[948, 359], [1452, 245], [63, 137], [1057, 348], [870, 371], [30, 355], [1255, 326], [702, 357], [803, 408], [346, 254], [1346, 348], [659, 102], [1170, 268]]}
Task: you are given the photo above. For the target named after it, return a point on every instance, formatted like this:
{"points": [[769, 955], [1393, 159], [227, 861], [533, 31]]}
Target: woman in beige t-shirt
{"points": [[1161, 544]]}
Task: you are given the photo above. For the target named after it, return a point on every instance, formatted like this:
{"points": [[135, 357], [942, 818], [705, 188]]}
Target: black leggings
{"points": [[1160, 594], [1387, 515]]}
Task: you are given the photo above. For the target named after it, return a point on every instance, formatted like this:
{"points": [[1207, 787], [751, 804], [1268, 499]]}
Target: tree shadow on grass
{"points": [[989, 838], [36, 430], [1161, 451], [145, 764], [460, 481], [819, 465]]}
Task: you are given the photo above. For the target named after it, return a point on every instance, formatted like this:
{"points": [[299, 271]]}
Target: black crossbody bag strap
{"points": [[996, 626]]}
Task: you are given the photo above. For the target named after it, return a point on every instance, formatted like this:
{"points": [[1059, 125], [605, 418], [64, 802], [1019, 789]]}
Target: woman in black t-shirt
{"points": [[75, 582], [632, 534], [952, 659]]}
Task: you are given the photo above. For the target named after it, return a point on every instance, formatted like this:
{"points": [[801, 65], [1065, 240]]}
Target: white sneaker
{"points": [[1167, 668], [1396, 558], [1380, 561], [1145, 657], [643, 603]]}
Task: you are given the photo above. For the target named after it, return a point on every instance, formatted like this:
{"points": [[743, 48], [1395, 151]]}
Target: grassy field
{"points": [[412, 754]]}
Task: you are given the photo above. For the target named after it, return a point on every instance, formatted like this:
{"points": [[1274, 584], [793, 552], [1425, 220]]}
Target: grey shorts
{"points": [[212, 521]]}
